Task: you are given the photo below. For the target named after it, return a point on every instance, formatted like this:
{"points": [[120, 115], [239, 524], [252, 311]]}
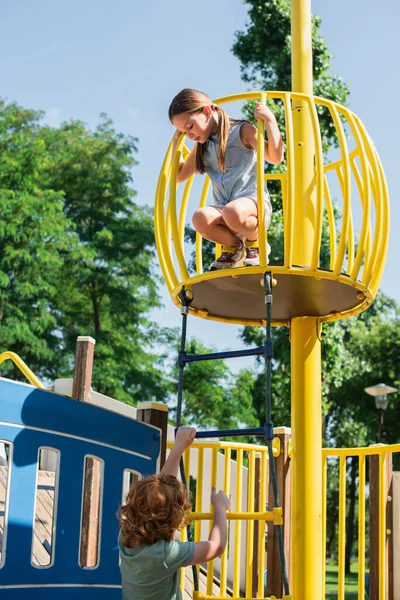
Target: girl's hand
{"points": [[176, 137], [184, 437], [263, 112]]}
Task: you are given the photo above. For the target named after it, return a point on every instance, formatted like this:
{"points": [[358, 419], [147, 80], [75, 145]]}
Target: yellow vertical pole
{"points": [[306, 529]]}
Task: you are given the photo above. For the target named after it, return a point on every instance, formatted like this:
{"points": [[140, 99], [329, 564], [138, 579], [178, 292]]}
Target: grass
{"points": [[351, 582]]}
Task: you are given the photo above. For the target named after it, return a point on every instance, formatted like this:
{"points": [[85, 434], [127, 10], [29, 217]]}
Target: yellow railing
{"points": [[210, 464], [23, 367], [381, 453], [357, 173]]}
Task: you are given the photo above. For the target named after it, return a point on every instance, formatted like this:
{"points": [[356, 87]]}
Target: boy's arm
{"points": [[184, 437], [216, 544]]}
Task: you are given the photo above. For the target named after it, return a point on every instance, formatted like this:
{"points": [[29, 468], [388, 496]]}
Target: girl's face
{"points": [[198, 126]]}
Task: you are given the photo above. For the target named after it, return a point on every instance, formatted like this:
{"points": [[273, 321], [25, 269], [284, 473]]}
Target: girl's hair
{"points": [[193, 101], [154, 509]]}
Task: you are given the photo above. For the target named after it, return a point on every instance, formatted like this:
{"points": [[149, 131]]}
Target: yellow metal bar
{"points": [[269, 515], [262, 236], [369, 451], [182, 213], [288, 213], [342, 527], [381, 208], [238, 524], [324, 484], [173, 217], [199, 492], [23, 367], [224, 557], [319, 185], [210, 564], [250, 524], [304, 208], [261, 525], [331, 224], [306, 519], [276, 447], [199, 239], [346, 187], [364, 189], [159, 224], [382, 527], [361, 528], [384, 223]]}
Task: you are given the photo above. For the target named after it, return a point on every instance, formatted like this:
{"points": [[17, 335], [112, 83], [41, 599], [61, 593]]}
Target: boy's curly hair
{"points": [[154, 509]]}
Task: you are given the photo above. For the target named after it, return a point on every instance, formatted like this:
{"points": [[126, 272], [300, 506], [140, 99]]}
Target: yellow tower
{"points": [[307, 292]]}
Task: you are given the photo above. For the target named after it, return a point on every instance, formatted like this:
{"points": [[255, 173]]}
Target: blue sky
{"points": [[128, 58]]}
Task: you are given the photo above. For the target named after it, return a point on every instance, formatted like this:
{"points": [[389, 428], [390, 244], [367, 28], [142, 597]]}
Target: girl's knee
{"points": [[199, 219], [233, 216]]}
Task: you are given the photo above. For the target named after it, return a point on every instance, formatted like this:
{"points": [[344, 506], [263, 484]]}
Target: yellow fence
{"points": [[232, 467], [373, 499]]}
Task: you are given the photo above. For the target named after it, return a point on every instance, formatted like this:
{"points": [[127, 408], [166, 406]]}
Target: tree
{"points": [[110, 290], [35, 238], [264, 50], [213, 397], [77, 255]]}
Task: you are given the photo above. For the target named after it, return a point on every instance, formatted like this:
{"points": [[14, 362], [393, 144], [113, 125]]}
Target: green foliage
{"points": [[35, 238], [110, 290], [264, 49], [77, 255], [213, 397]]}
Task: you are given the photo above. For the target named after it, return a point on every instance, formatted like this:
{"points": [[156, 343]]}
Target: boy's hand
{"points": [[184, 437], [220, 499], [263, 112]]}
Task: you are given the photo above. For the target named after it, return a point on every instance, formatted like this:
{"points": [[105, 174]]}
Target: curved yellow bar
{"points": [[23, 367]]}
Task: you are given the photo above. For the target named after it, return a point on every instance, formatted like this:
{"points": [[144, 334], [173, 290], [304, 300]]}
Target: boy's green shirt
{"points": [[152, 572]]}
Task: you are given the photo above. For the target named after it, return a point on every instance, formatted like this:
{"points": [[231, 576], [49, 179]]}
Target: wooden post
{"points": [[83, 371], [396, 533], [258, 570], [155, 413], [282, 467], [374, 528], [91, 488]]}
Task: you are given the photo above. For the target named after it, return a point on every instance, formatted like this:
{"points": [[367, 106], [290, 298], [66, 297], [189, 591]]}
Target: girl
{"points": [[155, 508], [226, 150]]}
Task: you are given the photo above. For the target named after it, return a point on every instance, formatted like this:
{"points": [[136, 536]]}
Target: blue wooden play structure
{"points": [[33, 419]]}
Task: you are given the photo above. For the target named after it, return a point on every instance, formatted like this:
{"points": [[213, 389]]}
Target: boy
{"points": [[155, 508]]}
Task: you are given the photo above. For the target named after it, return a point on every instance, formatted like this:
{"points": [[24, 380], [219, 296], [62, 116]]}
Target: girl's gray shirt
{"points": [[240, 178]]}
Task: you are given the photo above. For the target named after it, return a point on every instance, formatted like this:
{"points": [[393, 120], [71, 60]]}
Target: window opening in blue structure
{"points": [[5, 454], [43, 537], [129, 478], [91, 512]]}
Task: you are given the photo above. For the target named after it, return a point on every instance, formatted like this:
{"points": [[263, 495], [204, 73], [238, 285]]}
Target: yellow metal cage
{"points": [[352, 175]]}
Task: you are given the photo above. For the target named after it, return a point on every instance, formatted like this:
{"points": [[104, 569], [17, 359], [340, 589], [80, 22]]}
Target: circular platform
{"points": [[237, 295]]}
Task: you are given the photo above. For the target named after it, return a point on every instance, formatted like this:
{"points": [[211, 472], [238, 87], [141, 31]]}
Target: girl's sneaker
{"points": [[230, 258], [253, 255]]}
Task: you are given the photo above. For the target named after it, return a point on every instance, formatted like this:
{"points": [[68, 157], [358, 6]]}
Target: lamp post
{"points": [[380, 392]]}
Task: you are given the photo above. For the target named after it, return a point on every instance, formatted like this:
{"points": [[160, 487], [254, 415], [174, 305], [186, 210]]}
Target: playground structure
{"points": [[307, 290], [43, 528], [307, 293]]}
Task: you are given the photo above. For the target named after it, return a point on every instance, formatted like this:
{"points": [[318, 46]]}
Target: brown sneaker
{"points": [[230, 257], [253, 254]]}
